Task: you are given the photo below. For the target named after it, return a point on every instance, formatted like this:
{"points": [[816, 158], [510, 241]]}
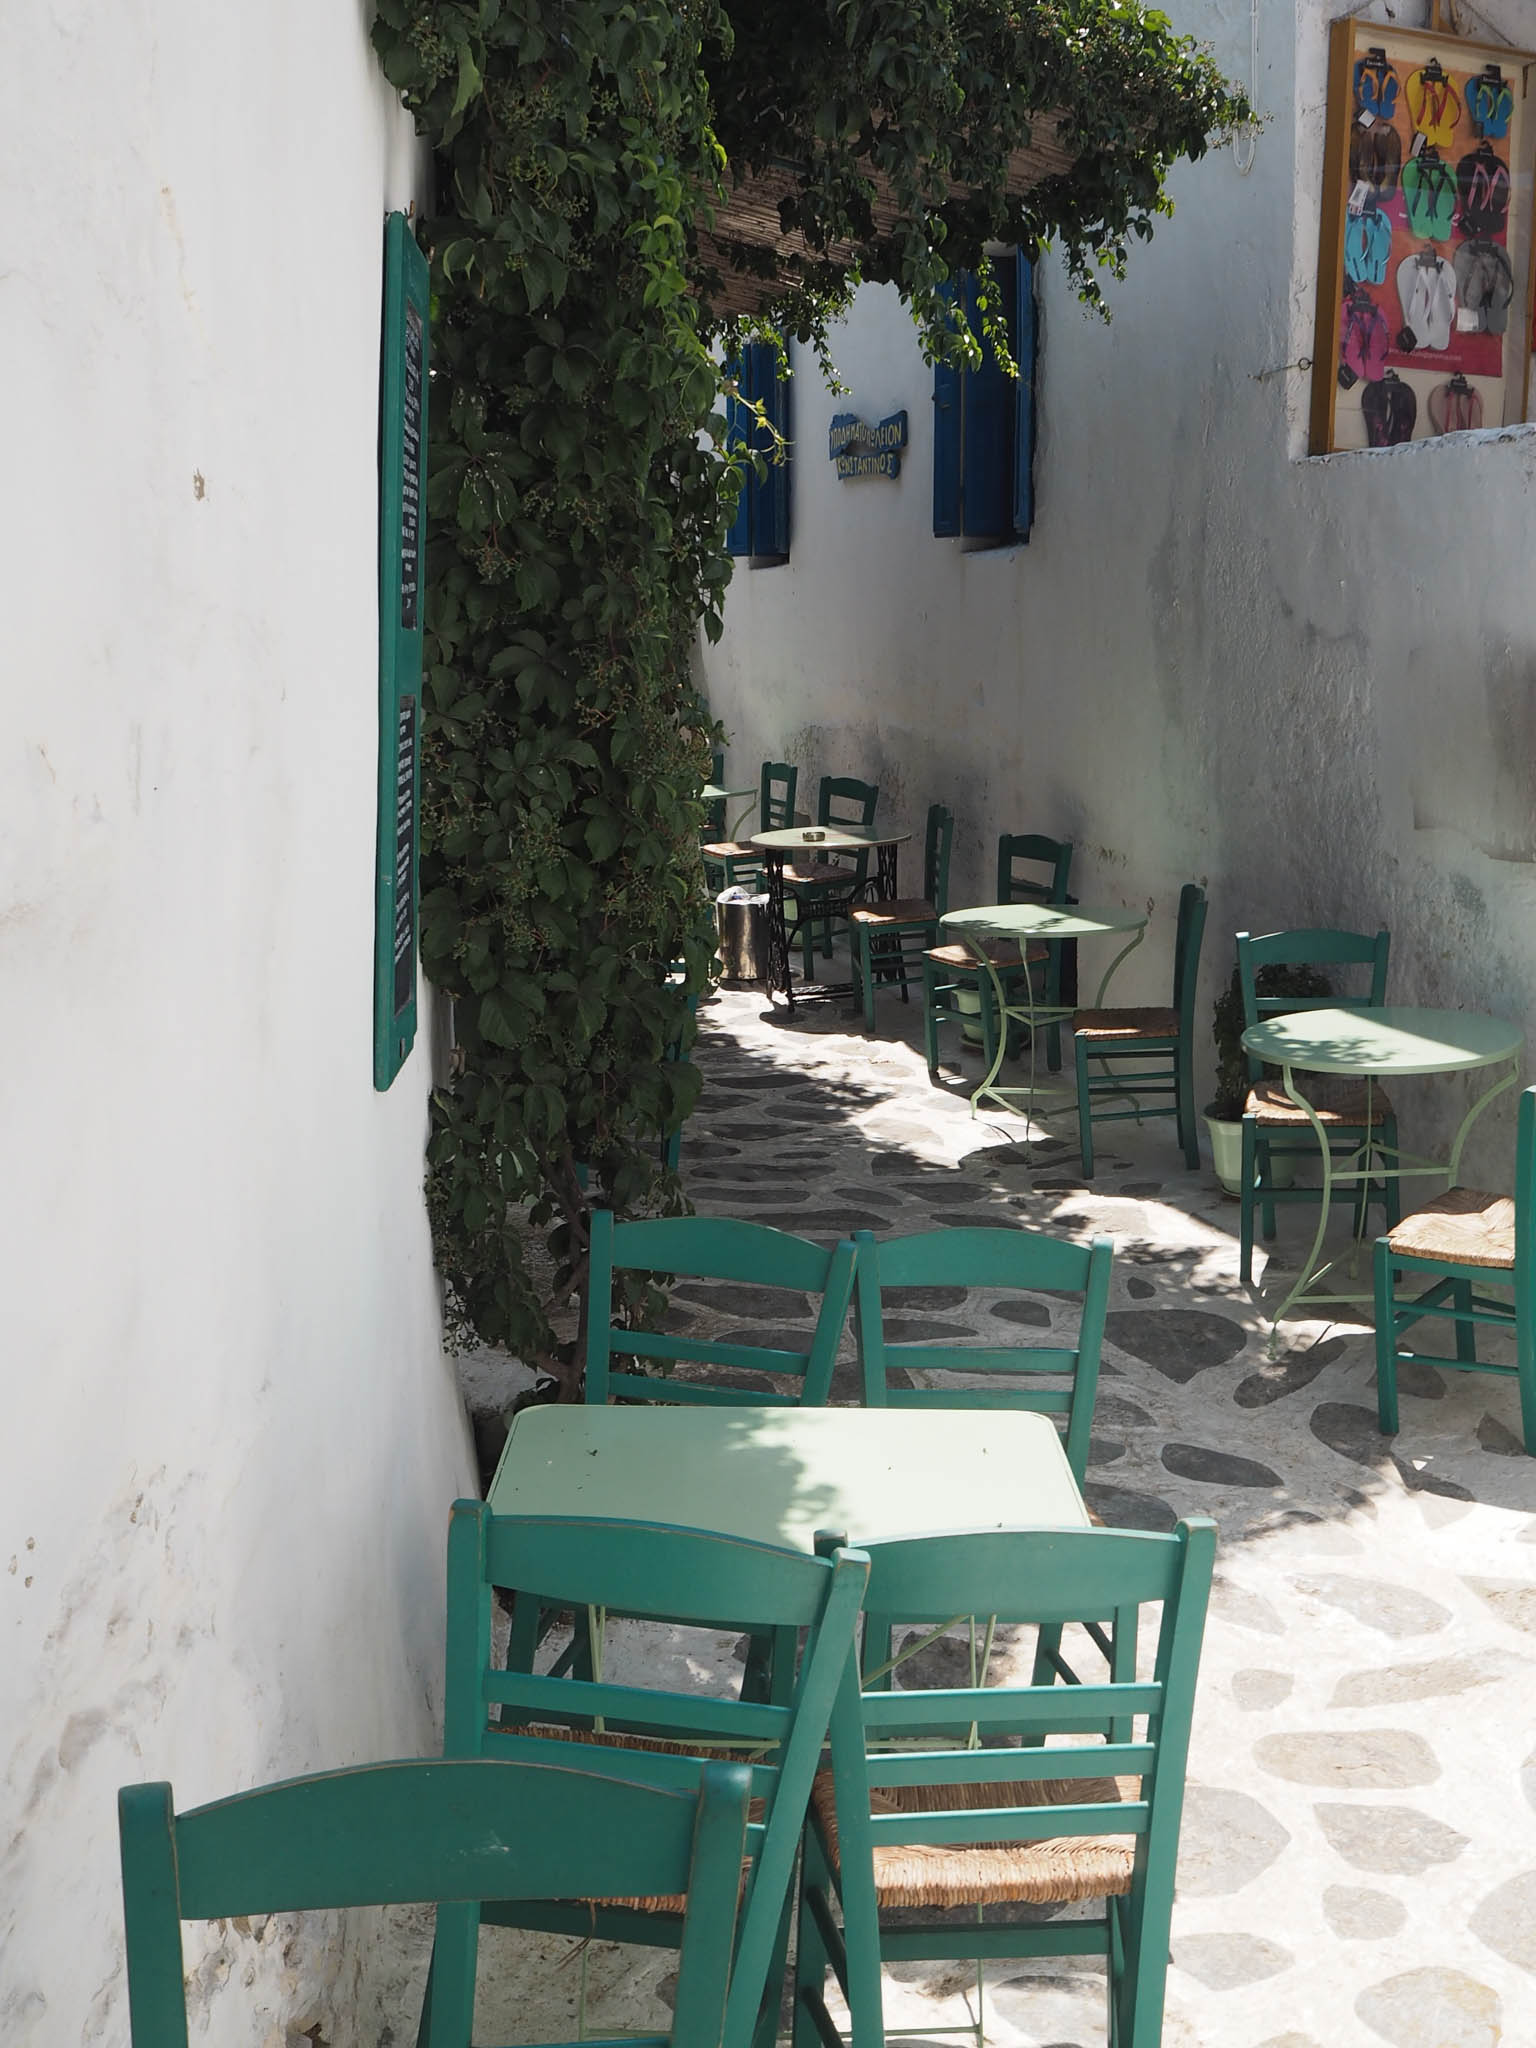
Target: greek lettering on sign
{"points": [[859, 449]]}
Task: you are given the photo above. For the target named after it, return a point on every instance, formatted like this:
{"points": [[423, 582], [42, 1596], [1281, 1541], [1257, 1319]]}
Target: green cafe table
{"points": [[1378, 1045], [1026, 922], [818, 841], [713, 793], [777, 1475]]}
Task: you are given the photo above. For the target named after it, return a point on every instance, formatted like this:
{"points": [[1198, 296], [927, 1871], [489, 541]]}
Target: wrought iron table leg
{"points": [[778, 931]]}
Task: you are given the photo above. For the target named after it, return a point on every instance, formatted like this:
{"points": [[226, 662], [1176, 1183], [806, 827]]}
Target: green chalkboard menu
{"points": [[402, 470]]}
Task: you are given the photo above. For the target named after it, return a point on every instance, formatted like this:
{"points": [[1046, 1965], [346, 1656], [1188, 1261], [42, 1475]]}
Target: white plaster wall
{"points": [[1308, 683], [230, 1435]]}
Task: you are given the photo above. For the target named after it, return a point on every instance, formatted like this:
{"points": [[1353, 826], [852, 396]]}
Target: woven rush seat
{"points": [[1464, 1226], [898, 910], [985, 1873], [731, 849], [612, 1739], [1000, 952], [1126, 1023], [819, 872], [1336, 1101]]}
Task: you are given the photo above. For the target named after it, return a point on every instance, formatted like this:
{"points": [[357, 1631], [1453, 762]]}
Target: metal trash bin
{"points": [[742, 921]]}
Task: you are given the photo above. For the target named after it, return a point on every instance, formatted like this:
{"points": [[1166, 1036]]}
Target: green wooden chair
{"points": [[728, 861], [926, 1808], [714, 812], [713, 1248], [1030, 869], [601, 1570], [1469, 1240], [1018, 1374], [893, 937], [1161, 1042], [1274, 1129], [820, 894], [549, 1826]]}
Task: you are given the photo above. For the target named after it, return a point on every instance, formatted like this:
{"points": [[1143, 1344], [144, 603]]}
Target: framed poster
{"points": [[1423, 278], [402, 471]]}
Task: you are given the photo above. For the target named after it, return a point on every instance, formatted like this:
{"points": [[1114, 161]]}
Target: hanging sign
{"points": [[861, 450], [402, 469]]}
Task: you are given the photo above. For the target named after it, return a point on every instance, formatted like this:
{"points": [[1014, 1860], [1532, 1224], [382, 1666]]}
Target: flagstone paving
{"points": [[1359, 1857]]}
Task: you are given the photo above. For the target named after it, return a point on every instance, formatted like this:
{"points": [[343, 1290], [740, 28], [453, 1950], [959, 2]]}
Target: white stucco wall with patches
{"points": [[231, 1437], [1308, 683]]}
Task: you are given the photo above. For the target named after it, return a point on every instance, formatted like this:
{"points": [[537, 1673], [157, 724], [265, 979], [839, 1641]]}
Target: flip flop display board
{"points": [[1424, 272]]}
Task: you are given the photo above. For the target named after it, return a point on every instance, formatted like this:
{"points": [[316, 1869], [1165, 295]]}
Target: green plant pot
{"points": [[1227, 1157], [968, 1003]]}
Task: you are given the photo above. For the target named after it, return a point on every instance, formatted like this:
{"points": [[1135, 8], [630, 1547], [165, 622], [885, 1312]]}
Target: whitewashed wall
{"points": [[230, 1437], [1308, 683]]}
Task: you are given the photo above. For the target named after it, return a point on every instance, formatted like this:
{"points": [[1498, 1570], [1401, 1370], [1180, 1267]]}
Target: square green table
{"points": [[777, 1475]]}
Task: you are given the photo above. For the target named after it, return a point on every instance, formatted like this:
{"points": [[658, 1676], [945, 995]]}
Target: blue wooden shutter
{"points": [[1024, 349], [738, 539], [770, 511], [946, 446], [986, 454]]}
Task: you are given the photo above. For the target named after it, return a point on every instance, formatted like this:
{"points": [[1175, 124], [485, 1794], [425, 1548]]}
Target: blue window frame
{"points": [[984, 421], [760, 530]]}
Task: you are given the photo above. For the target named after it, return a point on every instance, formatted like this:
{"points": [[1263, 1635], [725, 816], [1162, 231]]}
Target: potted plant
{"points": [[1224, 1112]]}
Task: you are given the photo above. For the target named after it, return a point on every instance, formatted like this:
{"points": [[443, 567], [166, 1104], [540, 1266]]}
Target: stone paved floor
{"points": [[1358, 1861]]}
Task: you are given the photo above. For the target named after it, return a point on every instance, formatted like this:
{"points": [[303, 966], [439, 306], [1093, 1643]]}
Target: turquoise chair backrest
{"points": [[1317, 948], [965, 1735], [689, 1577], [1186, 955], [991, 1259], [938, 842], [844, 800], [1032, 850], [713, 1248], [461, 1830], [776, 800]]}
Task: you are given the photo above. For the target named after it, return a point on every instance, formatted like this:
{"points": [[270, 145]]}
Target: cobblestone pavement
{"points": [[1359, 1861]]}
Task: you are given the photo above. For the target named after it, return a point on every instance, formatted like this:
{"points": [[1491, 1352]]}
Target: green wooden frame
{"points": [[1050, 1577], [550, 1826], [988, 1258], [712, 1248], [1453, 1294], [404, 373], [601, 1569], [1171, 1071]]}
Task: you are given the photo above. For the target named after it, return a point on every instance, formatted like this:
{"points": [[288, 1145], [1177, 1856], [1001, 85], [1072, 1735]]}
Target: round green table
{"points": [[713, 793], [1377, 1045], [1039, 922]]}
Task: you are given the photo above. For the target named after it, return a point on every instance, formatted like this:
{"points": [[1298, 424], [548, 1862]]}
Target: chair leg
{"points": [[1246, 1198], [1266, 1168], [931, 1018], [766, 2032], [1525, 1365], [1466, 1331], [863, 974], [1394, 1187], [810, 1947], [1084, 1106], [1386, 1342], [1184, 1102], [448, 2008]]}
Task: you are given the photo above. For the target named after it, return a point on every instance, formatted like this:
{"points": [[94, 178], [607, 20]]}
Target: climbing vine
{"points": [[578, 497]]}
